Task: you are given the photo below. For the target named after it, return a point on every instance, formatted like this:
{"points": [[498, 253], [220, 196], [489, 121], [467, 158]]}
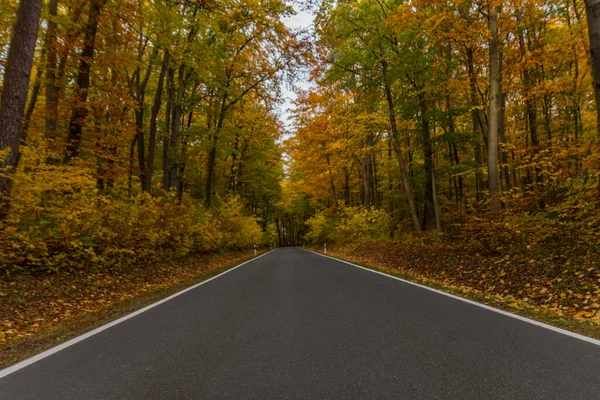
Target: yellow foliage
{"points": [[360, 224]]}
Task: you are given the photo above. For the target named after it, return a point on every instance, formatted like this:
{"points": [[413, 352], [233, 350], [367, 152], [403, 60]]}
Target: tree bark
{"points": [[493, 113], [502, 156], [14, 91]]}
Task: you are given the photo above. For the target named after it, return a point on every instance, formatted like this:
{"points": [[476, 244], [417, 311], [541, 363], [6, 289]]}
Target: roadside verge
{"points": [[509, 305], [143, 293]]}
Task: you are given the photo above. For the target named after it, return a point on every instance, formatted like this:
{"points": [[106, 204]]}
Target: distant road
{"points": [[296, 325]]}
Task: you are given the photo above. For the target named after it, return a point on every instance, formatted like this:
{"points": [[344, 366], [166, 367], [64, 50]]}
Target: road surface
{"points": [[296, 325]]}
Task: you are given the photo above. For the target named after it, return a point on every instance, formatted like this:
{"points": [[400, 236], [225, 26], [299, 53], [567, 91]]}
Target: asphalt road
{"points": [[295, 325]]}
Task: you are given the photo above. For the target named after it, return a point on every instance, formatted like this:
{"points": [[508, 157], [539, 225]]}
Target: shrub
{"points": [[238, 231], [360, 224], [320, 228]]}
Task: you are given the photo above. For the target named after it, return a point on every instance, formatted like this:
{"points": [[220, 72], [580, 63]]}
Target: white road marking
{"points": [[69, 343], [485, 306]]}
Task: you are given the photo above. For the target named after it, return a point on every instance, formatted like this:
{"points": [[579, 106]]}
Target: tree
{"points": [[80, 110], [494, 114], [14, 91]]}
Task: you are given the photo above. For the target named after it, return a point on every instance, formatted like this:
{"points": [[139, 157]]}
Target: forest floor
{"points": [[38, 311], [559, 295]]}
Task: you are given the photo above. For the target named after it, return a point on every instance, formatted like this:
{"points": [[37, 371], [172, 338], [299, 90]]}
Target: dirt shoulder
{"points": [[560, 295], [42, 310]]}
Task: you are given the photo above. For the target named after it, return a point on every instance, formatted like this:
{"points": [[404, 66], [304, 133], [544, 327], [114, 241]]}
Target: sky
{"points": [[302, 20]]}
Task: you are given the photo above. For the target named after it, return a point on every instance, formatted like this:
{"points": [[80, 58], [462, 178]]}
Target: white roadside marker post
{"points": [[325, 248], [255, 250]]}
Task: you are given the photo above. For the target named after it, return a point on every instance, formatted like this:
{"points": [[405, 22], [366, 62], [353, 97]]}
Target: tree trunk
{"points": [[153, 124], [477, 120], [14, 91], [592, 8], [175, 128], [346, 186], [212, 156], [167, 135], [493, 111], [31, 105], [453, 150], [398, 149], [140, 111], [279, 239], [429, 212], [502, 156], [331, 181], [529, 96], [52, 88], [80, 110], [366, 177], [436, 204]]}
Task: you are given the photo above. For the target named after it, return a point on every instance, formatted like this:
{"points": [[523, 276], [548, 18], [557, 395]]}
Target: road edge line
{"points": [[47, 353], [472, 302]]}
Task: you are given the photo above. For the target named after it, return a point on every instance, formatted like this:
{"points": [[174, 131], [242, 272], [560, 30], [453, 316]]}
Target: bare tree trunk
{"points": [[493, 112], [592, 8], [80, 110], [14, 91]]}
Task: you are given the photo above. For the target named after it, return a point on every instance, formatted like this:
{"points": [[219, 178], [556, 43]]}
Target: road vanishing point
{"points": [[296, 325]]}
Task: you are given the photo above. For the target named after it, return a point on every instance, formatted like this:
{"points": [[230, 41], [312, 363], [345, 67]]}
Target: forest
{"points": [[452, 140]]}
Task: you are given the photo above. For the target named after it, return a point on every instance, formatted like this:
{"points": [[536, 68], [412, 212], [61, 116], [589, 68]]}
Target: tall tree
{"points": [[14, 91], [52, 88], [494, 109], [80, 110]]}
